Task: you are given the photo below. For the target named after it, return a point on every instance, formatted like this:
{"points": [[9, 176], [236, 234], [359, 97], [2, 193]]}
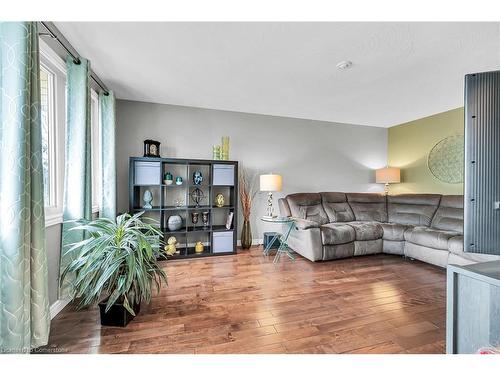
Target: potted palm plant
{"points": [[118, 261]]}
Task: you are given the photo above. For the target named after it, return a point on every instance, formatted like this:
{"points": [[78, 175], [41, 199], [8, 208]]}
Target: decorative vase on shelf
{"points": [[216, 152], [148, 198], [197, 178], [168, 179], [205, 218], [246, 235], [174, 222], [194, 217], [178, 180], [225, 148], [198, 248]]}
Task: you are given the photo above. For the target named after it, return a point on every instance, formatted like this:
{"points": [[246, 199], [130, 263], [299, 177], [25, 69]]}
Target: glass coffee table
{"points": [[282, 238]]}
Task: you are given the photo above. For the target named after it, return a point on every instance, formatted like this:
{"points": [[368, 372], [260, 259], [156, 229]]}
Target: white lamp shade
{"points": [[271, 182], [388, 175]]}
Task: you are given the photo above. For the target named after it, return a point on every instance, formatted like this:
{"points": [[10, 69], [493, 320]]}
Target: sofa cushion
{"points": [[307, 206], [429, 237], [367, 230], [336, 207], [450, 214], [456, 244], [368, 206], [412, 209], [336, 234], [394, 231]]}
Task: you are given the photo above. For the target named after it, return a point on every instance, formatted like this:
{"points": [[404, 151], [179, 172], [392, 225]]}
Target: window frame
{"points": [[51, 62], [51, 109]]}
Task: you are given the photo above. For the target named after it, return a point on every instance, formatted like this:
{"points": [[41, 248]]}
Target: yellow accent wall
{"points": [[409, 145]]}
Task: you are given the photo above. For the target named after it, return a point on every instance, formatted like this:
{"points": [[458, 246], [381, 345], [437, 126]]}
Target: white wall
{"points": [[311, 156]]}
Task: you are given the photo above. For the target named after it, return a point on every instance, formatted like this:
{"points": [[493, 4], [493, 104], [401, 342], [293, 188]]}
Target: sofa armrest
{"points": [[303, 224], [284, 207]]}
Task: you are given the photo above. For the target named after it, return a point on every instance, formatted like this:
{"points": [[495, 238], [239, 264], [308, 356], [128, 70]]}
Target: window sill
{"points": [[53, 219], [57, 218]]}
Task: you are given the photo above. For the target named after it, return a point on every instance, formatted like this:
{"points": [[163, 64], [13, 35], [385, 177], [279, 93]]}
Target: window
{"points": [[48, 139], [53, 122], [96, 149]]}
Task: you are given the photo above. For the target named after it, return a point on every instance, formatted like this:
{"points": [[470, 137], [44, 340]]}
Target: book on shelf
{"points": [[229, 221]]}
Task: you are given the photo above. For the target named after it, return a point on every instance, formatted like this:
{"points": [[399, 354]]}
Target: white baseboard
{"points": [[255, 241], [57, 307]]}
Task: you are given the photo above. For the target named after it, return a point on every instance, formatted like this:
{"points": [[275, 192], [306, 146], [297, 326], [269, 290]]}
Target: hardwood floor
{"points": [[246, 304]]}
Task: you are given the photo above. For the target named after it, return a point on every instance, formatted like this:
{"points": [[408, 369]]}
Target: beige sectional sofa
{"points": [[333, 225]]}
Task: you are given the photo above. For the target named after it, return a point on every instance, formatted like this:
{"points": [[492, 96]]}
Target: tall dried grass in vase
{"points": [[247, 192]]}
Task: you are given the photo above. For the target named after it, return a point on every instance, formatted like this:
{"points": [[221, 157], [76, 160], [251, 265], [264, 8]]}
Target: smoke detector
{"points": [[346, 64]]}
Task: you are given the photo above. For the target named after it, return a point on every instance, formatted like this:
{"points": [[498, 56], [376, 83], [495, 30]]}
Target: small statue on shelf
{"points": [[148, 198], [171, 247]]}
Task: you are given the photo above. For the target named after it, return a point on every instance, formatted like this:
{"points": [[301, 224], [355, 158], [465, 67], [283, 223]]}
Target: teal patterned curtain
{"points": [[24, 304], [77, 171], [108, 157]]}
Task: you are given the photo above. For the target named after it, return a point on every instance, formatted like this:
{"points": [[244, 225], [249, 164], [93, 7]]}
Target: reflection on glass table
{"points": [[283, 248]]}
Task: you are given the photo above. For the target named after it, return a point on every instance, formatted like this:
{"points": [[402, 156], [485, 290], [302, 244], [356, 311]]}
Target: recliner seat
{"points": [[333, 225]]}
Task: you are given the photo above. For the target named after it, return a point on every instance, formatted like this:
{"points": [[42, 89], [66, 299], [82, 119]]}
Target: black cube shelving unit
{"points": [[219, 177]]}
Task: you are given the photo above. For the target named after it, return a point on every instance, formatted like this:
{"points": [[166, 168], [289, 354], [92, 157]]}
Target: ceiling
{"points": [[400, 71]]}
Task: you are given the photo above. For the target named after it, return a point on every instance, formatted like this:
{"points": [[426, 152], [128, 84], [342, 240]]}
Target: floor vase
{"points": [[246, 235]]}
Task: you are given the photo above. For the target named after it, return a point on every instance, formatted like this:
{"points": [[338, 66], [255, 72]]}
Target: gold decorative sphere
{"points": [[219, 200]]}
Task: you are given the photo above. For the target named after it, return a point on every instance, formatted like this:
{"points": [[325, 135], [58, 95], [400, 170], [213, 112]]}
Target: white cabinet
{"points": [[222, 242], [147, 173], [223, 175]]}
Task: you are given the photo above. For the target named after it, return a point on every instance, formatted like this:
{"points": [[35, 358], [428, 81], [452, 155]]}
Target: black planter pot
{"points": [[117, 315]]}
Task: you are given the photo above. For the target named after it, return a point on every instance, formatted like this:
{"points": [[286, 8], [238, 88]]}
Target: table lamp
{"points": [[387, 175], [270, 183]]}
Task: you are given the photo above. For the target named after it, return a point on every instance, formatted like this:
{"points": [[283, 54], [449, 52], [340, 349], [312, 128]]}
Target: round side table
{"points": [[282, 238]]}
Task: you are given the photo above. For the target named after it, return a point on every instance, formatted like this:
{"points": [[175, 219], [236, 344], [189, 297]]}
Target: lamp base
{"points": [[270, 209], [386, 189]]}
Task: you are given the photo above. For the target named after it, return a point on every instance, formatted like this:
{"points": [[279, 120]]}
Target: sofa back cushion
{"points": [[368, 206], [412, 209], [450, 214], [336, 207], [307, 206]]}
